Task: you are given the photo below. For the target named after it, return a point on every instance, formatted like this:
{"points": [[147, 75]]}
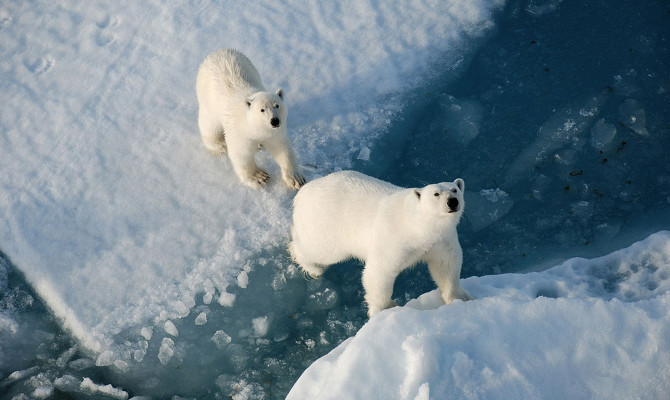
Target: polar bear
{"points": [[350, 215], [237, 116]]}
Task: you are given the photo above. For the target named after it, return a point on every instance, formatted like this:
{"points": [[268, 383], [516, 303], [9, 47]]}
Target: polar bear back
{"points": [[339, 211], [228, 73]]}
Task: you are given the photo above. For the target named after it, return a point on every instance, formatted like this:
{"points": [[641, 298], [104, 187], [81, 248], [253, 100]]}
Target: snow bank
{"points": [[109, 204], [585, 329]]}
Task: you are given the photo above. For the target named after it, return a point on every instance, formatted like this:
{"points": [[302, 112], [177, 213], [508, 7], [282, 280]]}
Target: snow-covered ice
{"points": [[133, 263], [585, 329]]}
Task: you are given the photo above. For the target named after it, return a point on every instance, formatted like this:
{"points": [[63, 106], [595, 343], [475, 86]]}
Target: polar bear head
{"points": [[266, 112], [442, 199]]}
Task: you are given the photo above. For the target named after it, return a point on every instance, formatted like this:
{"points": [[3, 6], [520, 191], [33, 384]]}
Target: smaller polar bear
{"points": [[347, 214], [237, 116]]}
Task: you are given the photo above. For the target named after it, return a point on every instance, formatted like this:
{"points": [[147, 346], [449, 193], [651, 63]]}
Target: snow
{"points": [[585, 329], [133, 263], [92, 388]]}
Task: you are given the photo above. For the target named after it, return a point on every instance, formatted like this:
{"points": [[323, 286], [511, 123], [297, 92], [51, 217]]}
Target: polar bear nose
{"points": [[274, 122], [452, 203]]}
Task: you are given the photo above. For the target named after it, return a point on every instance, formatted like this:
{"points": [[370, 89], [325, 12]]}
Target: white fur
{"points": [[348, 214], [236, 115]]}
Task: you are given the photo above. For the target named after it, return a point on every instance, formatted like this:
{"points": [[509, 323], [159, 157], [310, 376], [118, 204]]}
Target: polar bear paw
{"points": [[216, 145], [458, 294], [295, 181], [465, 296], [375, 308], [258, 179], [311, 271], [218, 149]]}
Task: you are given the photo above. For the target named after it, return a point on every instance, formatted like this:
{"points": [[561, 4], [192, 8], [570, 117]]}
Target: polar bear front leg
{"points": [[378, 285], [242, 157], [283, 154], [446, 275]]}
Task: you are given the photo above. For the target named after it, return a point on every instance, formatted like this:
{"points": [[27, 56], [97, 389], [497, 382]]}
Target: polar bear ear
{"points": [[417, 193], [280, 93], [460, 183]]}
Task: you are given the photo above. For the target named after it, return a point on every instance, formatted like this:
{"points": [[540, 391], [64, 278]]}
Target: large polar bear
{"points": [[238, 116], [347, 214]]}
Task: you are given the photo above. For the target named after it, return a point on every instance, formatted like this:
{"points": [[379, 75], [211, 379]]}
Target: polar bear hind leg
{"points": [[311, 270], [212, 135]]}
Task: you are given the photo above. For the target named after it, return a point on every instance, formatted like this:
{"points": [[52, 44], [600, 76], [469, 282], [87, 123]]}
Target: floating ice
{"points": [[201, 319], [221, 339], [170, 328], [602, 134], [243, 279], [166, 351], [146, 332], [633, 116], [91, 388], [563, 131], [226, 299], [458, 119], [486, 207]]}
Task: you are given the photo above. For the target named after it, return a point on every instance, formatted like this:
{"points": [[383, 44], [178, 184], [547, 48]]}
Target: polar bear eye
{"points": [[453, 190], [436, 194], [262, 110], [276, 105]]}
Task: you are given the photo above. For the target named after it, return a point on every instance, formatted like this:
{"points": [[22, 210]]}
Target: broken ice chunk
{"points": [[486, 207], [261, 326], [602, 134], [221, 339], [632, 116], [201, 319], [170, 328], [166, 351]]}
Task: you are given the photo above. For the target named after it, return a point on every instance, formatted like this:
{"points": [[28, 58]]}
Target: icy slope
{"points": [[585, 329], [108, 202]]}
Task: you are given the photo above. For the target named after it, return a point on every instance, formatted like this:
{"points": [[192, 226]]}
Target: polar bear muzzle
{"points": [[452, 203]]}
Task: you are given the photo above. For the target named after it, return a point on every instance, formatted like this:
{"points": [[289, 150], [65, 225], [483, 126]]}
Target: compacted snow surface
{"points": [[134, 264], [585, 329]]}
